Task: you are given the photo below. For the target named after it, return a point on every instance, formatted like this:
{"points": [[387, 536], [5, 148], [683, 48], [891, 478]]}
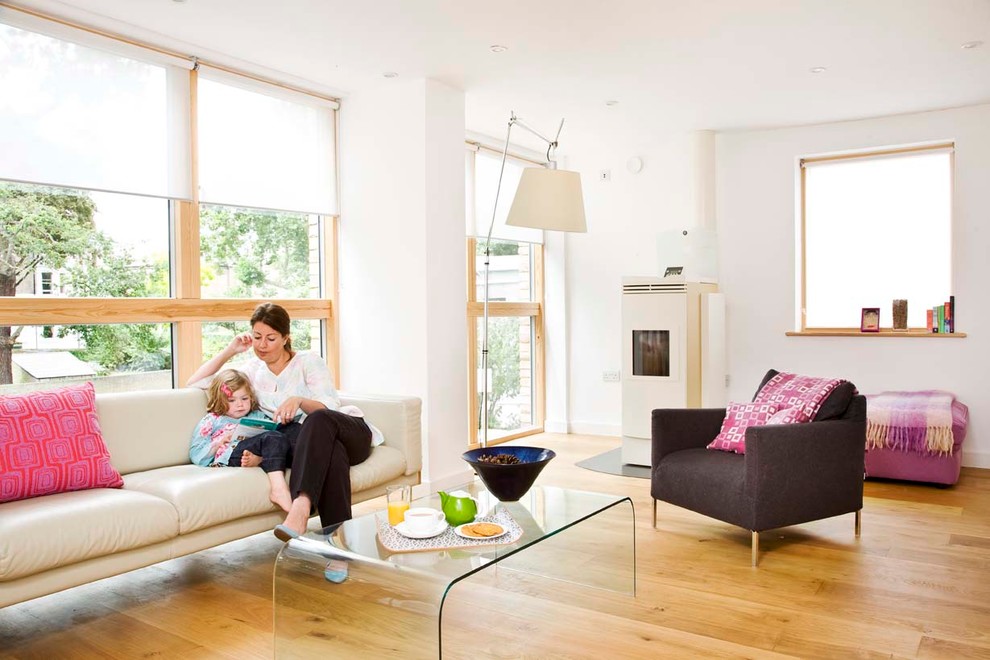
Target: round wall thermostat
{"points": [[634, 164]]}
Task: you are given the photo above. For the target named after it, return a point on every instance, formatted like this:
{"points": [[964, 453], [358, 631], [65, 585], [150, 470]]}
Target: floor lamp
{"points": [[547, 198]]}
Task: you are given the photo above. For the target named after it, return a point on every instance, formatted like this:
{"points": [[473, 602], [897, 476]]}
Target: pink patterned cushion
{"points": [[785, 416], [739, 417], [804, 394], [50, 442]]}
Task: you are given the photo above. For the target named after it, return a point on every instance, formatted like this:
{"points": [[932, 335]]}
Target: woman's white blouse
{"points": [[306, 375]]}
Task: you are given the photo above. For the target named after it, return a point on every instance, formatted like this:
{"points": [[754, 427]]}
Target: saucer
{"points": [[402, 529]]}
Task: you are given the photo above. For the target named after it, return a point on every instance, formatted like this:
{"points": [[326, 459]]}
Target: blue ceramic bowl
{"points": [[509, 482]]}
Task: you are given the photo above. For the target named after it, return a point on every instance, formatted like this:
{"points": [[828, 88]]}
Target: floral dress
{"points": [[201, 450]]}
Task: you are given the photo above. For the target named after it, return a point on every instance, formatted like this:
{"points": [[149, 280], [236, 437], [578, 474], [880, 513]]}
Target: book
{"points": [[951, 313], [928, 321], [250, 427]]}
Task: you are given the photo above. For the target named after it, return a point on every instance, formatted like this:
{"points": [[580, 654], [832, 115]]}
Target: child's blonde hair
{"points": [[223, 386]]}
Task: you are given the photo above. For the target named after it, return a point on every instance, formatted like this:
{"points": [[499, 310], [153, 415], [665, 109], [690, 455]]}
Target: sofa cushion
{"points": [[47, 532], [384, 464], [738, 418], [50, 442], [150, 429], [687, 478], [204, 497]]}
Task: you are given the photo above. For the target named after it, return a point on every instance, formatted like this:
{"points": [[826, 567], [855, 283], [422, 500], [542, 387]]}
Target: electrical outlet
{"points": [[611, 375], [605, 176]]}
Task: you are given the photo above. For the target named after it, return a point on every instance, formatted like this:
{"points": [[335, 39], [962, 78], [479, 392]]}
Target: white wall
{"points": [[402, 258], [756, 224], [624, 217]]}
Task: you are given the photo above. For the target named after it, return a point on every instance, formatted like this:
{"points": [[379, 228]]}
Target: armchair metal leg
{"points": [[756, 548], [859, 521], [654, 513]]}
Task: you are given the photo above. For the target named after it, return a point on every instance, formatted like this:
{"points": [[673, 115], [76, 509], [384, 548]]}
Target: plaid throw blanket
{"points": [[798, 398], [911, 421]]}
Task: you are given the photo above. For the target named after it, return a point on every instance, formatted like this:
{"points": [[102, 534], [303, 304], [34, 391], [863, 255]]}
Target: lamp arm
{"points": [[488, 254], [552, 144]]}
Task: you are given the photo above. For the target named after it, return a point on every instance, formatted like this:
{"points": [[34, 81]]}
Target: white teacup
{"points": [[421, 520]]}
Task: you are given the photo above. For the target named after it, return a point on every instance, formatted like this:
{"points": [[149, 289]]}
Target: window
{"points": [[515, 294], [876, 226], [96, 208]]}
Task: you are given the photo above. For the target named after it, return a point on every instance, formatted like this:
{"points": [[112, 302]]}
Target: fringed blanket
{"points": [[798, 398], [911, 421]]}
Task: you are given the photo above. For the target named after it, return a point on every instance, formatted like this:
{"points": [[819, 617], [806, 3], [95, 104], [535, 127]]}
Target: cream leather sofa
{"points": [[168, 507]]}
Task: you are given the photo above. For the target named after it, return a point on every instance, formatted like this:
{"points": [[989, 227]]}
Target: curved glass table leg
{"points": [[344, 594]]}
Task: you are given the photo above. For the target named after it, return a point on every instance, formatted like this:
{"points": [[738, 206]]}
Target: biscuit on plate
{"points": [[482, 530]]}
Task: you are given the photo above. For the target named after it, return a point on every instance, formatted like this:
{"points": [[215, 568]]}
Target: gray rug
{"points": [[611, 463]]}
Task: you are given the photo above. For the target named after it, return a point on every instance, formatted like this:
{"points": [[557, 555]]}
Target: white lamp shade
{"points": [[548, 199]]}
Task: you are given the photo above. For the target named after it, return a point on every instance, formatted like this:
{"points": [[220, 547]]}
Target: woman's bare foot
{"points": [[281, 497], [298, 514]]}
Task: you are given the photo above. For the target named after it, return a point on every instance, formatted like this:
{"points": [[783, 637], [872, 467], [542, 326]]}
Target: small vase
{"points": [[900, 315]]}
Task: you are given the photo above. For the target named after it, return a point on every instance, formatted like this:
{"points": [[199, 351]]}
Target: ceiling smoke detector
{"points": [[817, 69]]}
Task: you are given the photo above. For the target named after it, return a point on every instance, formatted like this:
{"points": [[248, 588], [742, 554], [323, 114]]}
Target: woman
{"points": [[288, 383]]}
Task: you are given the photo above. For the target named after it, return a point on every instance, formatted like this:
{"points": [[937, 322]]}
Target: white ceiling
{"points": [[673, 65]]}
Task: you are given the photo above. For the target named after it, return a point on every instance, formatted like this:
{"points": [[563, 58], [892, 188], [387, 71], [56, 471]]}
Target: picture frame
{"points": [[869, 320]]}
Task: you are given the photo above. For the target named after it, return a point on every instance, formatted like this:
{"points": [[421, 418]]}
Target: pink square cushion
{"points": [[50, 442], [738, 418]]}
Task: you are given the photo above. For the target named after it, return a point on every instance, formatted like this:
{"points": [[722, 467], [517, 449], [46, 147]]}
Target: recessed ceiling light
{"points": [[971, 44], [496, 48], [390, 74], [817, 69], [611, 103]]}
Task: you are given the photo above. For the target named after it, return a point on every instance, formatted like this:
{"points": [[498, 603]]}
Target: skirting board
{"points": [[976, 459]]}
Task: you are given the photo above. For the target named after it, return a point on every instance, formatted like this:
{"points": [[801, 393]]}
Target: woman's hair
{"points": [[223, 386], [276, 318]]}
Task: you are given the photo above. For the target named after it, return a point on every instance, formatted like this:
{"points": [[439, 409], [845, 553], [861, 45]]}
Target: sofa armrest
{"points": [[398, 418], [817, 465], [675, 429]]}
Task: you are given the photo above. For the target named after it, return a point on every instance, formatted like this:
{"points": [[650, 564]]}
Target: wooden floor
{"points": [[915, 584]]}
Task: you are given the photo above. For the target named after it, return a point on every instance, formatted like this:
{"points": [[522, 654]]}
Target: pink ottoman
{"points": [[914, 466]]}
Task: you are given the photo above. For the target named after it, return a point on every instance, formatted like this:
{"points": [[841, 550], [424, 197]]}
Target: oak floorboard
{"points": [[915, 584]]}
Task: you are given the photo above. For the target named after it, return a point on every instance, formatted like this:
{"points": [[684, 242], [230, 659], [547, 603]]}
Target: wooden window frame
{"points": [[535, 311], [187, 310], [851, 331]]}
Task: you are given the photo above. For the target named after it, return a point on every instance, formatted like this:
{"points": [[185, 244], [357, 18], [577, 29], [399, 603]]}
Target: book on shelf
{"points": [[951, 313], [928, 321]]}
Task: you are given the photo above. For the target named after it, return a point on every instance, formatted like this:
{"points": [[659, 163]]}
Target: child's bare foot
{"points": [[281, 497]]}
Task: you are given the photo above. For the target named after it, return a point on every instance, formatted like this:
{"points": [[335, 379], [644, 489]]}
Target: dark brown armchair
{"points": [[790, 474]]}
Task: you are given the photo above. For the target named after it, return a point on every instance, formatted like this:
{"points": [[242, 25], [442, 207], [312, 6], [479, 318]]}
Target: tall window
{"points": [[877, 226], [97, 209], [515, 293]]}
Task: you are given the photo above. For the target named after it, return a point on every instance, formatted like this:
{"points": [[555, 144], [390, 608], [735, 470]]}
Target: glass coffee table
{"points": [[344, 593]]}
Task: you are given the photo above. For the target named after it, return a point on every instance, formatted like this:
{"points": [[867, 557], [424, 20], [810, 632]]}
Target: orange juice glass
{"points": [[397, 498]]}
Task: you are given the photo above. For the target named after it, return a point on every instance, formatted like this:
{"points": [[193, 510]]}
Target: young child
{"points": [[230, 398]]}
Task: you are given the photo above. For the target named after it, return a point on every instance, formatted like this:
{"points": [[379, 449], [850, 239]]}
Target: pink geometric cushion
{"points": [[785, 416], [739, 417], [50, 442]]}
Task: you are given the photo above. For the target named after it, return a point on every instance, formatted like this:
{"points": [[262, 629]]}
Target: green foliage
{"points": [[106, 272], [499, 248], [266, 253], [503, 360], [41, 225]]}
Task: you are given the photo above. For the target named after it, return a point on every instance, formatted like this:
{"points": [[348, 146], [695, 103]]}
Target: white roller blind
{"points": [[262, 147], [877, 228], [486, 167], [90, 117]]}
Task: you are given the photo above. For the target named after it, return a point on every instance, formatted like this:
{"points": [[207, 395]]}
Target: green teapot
{"points": [[458, 507]]}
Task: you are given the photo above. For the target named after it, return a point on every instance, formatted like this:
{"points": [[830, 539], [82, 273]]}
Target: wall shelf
{"points": [[884, 332]]}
